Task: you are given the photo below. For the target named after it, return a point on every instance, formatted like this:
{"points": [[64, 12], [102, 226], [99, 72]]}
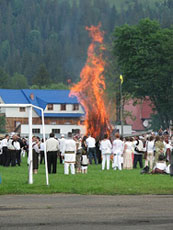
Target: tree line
{"points": [[52, 34]]}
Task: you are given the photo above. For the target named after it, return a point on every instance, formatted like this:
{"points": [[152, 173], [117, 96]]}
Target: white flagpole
{"points": [[30, 179], [45, 153]]}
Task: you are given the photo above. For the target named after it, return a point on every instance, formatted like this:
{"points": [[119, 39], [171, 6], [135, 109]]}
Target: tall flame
{"points": [[90, 90]]}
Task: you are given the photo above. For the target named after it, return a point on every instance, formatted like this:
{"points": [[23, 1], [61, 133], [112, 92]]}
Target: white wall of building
{"points": [[64, 129], [15, 112], [127, 129]]}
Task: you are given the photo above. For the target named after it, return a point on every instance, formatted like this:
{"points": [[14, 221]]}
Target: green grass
{"points": [[15, 181]]}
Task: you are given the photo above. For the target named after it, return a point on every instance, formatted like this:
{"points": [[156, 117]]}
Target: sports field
{"points": [[15, 181]]}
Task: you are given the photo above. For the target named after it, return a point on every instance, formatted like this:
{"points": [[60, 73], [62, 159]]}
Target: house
{"points": [[62, 113], [140, 113]]}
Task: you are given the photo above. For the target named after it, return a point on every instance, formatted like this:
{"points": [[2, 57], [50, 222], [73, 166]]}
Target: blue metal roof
{"points": [[49, 96], [41, 99], [13, 96]]}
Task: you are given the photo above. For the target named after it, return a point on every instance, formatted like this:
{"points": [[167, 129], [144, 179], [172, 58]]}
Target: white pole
{"points": [[45, 153], [30, 172]]}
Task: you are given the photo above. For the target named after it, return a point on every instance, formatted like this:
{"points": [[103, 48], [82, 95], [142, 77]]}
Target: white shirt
{"points": [[52, 145], [4, 142], [69, 146], [91, 142], [161, 165], [118, 147], [36, 147], [105, 146], [42, 146], [128, 145], [150, 146], [16, 145], [61, 144], [0, 147], [140, 147]]}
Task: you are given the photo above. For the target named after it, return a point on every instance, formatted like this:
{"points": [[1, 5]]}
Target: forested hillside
{"points": [[50, 35]]}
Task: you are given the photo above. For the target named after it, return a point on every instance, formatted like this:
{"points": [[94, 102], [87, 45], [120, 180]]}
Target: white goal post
{"points": [[30, 107]]}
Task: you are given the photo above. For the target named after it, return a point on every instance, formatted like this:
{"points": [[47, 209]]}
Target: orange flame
{"points": [[90, 90]]}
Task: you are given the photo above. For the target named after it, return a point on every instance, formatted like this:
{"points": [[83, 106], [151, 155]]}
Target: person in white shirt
{"points": [[91, 147], [150, 152], [4, 144], [117, 151], [61, 145], [42, 151], [160, 166], [69, 154], [13, 146], [106, 149], [36, 152], [52, 147], [0, 153], [139, 147], [127, 155]]}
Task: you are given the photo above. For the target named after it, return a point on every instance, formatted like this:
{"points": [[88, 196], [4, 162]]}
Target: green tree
{"points": [[42, 78], [18, 81], [5, 80], [145, 57], [2, 124]]}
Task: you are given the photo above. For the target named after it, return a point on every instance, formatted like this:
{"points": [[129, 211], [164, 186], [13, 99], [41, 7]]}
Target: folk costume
{"points": [[106, 149], [69, 153]]}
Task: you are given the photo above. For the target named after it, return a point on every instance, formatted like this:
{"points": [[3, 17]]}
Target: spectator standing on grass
{"points": [[127, 154], [138, 153], [150, 152], [117, 151], [36, 152], [159, 148], [4, 144], [69, 154], [106, 149], [78, 154], [52, 147], [91, 146], [84, 162], [61, 146], [0, 153], [42, 151]]}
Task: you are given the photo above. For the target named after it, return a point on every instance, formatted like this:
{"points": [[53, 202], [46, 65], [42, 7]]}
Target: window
{"points": [[22, 109], [76, 131], [63, 107], [55, 130], [50, 107], [75, 107], [35, 130]]}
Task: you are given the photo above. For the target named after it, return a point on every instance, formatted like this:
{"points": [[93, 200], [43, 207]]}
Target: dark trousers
{"points": [[35, 159], [52, 161], [137, 158], [18, 156], [4, 155], [91, 154], [60, 157], [1, 157], [13, 157], [41, 156]]}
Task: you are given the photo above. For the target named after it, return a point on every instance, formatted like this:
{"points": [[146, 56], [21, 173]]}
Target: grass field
{"points": [[15, 181]]}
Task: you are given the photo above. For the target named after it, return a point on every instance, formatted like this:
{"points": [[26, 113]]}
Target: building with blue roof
{"points": [[62, 113]]}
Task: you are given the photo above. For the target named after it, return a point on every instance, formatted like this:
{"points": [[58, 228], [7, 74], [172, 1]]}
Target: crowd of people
{"points": [[76, 152]]}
